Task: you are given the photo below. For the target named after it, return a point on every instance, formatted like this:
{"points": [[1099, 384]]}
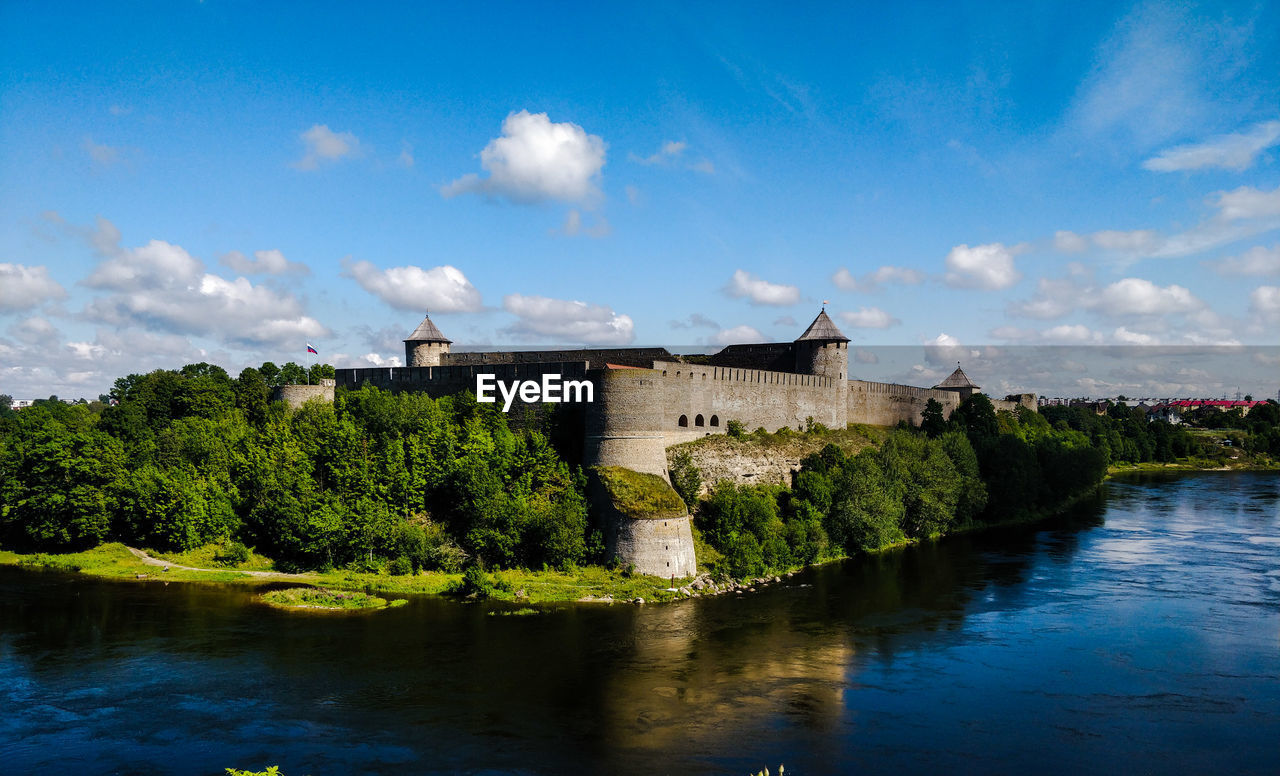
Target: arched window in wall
{"points": [[683, 422], [698, 421], [715, 421]]}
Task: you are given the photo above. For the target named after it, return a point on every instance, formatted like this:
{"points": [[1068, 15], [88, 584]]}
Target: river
{"points": [[1140, 632]]}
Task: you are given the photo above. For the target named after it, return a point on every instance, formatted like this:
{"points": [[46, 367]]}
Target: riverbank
{"points": [[590, 583]]}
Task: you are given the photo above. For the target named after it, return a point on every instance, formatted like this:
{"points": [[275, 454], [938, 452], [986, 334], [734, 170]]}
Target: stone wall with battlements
{"points": [[699, 400], [437, 381], [885, 404], [596, 358]]}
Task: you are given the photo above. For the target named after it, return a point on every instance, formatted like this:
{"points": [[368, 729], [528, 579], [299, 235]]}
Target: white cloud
{"points": [[1264, 302], [24, 287], [861, 356], [324, 145], [670, 150], [405, 159], [535, 160], [738, 335], [554, 321], [1139, 242], [1138, 296], [1126, 337], [944, 350], [760, 292], [35, 331], [155, 264], [1248, 202], [987, 267], [439, 289], [270, 262], [1071, 334], [1054, 298], [236, 311], [1255, 261], [574, 226], [695, 321], [101, 154], [1069, 242], [159, 286], [869, 318], [1236, 151], [845, 281], [1241, 213], [704, 166]]}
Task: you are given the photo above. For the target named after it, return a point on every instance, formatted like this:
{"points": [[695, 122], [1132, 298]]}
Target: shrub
{"points": [[231, 554], [735, 429], [686, 478], [400, 566]]}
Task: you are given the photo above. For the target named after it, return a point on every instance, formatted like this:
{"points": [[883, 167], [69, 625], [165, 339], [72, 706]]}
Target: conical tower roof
{"points": [[823, 329], [958, 379], [427, 332]]}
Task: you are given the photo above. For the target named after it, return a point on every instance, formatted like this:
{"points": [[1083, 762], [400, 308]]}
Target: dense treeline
{"points": [[1259, 431], [188, 457], [979, 467]]}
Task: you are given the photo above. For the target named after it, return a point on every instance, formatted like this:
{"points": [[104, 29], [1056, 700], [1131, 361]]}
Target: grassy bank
{"points": [[115, 561], [1245, 462], [326, 600]]}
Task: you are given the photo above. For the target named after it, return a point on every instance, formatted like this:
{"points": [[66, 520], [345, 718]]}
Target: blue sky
{"points": [[230, 181]]}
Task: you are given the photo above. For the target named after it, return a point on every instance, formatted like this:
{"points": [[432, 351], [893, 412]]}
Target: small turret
{"points": [[960, 383], [823, 349], [425, 345]]}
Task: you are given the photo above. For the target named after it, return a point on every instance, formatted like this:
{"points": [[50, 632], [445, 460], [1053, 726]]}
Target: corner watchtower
{"points": [[823, 349], [425, 345]]}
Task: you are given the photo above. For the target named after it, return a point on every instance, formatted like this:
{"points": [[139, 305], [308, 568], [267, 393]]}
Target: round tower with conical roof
{"points": [[425, 345], [823, 349]]}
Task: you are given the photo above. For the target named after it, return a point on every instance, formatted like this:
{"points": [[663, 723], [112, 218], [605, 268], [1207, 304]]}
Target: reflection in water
{"points": [[1146, 641]]}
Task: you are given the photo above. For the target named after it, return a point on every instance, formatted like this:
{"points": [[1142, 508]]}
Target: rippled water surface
{"points": [[1140, 633]]}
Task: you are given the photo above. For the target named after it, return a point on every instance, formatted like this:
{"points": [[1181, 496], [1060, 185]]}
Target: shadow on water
{"points": [[193, 678]]}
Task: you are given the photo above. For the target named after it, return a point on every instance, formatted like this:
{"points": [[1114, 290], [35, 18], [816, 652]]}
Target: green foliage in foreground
{"points": [[324, 598]]}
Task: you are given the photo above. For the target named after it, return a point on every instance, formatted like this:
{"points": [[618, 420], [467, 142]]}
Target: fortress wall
{"points": [[885, 404], [438, 381], [770, 356], [1013, 401], [297, 395], [623, 425], [753, 397], [596, 358]]}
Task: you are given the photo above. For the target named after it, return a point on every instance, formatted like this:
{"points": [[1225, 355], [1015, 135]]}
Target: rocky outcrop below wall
{"points": [[748, 461]]}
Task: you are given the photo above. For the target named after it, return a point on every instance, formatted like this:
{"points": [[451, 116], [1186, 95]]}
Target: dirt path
{"points": [[150, 561]]}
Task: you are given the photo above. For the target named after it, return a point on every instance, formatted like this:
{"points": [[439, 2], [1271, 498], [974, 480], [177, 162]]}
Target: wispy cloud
{"points": [[1236, 151], [323, 145]]}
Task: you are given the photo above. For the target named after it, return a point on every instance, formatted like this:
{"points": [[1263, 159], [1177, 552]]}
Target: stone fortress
{"points": [[647, 399]]}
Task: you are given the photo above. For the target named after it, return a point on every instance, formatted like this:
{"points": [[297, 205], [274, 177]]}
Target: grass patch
{"points": [[327, 600], [642, 496], [218, 555], [517, 585], [524, 611], [594, 582]]}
